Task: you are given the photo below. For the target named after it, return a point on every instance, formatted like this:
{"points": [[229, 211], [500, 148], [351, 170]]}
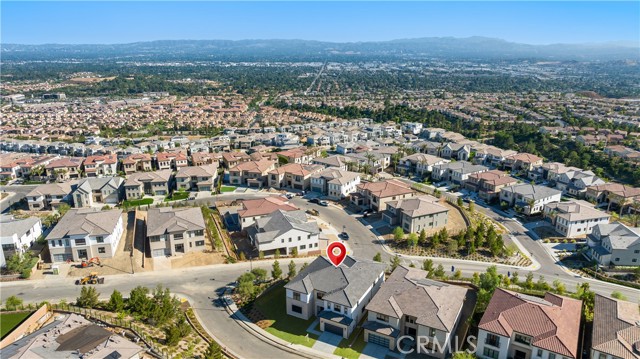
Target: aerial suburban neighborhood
{"points": [[361, 189]]}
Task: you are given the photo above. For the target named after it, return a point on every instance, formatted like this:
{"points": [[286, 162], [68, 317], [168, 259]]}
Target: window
{"points": [[319, 295], [492, 340], [308, 236], [432, 332], [490, 353], [617, 259], [299, 238], [102, 250], [303, 247], [199, 243], [337, 308], [289, 239], [540, 352], [100, 239], [382, 317], [409, 319], [81, 242], [522, 339], [552, 356], [636, 251], [8, 247], [296, 309], [296, 296], [178, 236], [199, 232]]}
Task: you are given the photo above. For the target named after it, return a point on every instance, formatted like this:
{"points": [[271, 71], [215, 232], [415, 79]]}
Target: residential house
{"points": [[418, 163], [334, 183], [86, 233], [299, 155], [64, 169], [139, 184], [171, 160], [50, 196], [283, 231], [416, 213], [488, 184], [375, 195], [293, 175], [17, 235], [614, 244], [520, 326], [93, 191], [251, 173], [528, 198], [335, 161], [376, 162], [197, 178], [615, 329], [618, 196], [575, 218], [456, 172], [409, 304], [205, 158], [175, 231], [101, 166], [139, 162], [254, 209], [234, 158], [576, 182], [456, 151], [522, 162], [335, 295]]}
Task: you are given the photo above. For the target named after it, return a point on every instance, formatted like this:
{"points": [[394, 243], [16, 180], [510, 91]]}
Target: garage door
{"points": [[158, 253], [332, 329], [379, 339]]}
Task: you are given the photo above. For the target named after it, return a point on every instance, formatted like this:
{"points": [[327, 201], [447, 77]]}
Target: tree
{"points": [[542, 284], [618, 295], [459, 202], [304, 266], [395, 262], [88, 297], [427, 266], [559, 287], [13, 303], [439, 272], [471, 247], [213, 351], [260, 274], [412, 240], [63, 208], [139, 301], [276, 272], [172, 335], [464, 355], [377, 257], [472, 206], [457, 274], [276, 255], [398, 234], [452, 247], [487, 283], [423, 236], [184, 328], [588, 297], [292, 270], [116, 302], [528, 282], [246, 286], [294, 252]]}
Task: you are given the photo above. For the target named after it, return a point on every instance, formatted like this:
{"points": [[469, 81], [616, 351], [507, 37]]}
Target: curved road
{"points": [[201, 284]]}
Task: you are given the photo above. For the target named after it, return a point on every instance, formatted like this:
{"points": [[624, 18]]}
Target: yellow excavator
{"points": [[90, 279]]}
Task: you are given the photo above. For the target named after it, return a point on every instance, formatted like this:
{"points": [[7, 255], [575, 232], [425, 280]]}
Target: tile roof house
{"points": [[293, 175], [336, 161], [456, 172], [93, 191], [50, 195], [617, 195], [254, 209], [232, 159], [139, 184], [284, 230], [334, 183], [251, 173], [140, 162], [614, 244], [17, 235], [409, 304], [175, 231], [616, 332], [416, 213], [197, 178], [529, 199], [488, 184], [515, 325], [171, 160], [419, 163], [374, 195], [522, 162], [575, 218], [86, 233], [336, 295], [100, 166], [64, 169]]}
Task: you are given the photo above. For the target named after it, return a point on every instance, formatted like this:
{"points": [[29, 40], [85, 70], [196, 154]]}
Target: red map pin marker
{"points": [[336, 251]]}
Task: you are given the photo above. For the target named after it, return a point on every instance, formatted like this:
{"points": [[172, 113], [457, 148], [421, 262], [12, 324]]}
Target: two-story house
{"points": [[253, 209], [529, 199], [615, 329], [197, 178], [17, 235], [86, 233], [175, 231], [251, 173], [137, 162], [408, 304], [456, 172], [293, 175], [614, 244], [283, 231], [171, 160], [337, 296], [375, 195], [156, 183], [419, 164], [334, 183], [520, 326], [575, 218], [522, 162], [488, 184], [415, 214], [101, 166], [576, 182], [64, 169], [92, 191], [50, 196]]}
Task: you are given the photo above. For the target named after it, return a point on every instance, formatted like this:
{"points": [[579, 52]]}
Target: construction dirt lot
{"points": [[122, 262]]}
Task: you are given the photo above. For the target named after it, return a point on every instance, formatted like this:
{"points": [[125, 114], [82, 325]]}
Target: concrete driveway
{"points": [[374, 351], [327, 342]]}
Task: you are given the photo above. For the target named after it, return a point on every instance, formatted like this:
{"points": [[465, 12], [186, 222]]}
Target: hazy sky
{"points": [[120, 22]]}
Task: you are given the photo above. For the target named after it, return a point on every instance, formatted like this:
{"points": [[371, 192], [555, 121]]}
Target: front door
{"points": [[82, 254], [520, 354]]}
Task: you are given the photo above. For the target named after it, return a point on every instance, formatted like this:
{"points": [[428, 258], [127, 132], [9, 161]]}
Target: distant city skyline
{"points": [[536, 23]]}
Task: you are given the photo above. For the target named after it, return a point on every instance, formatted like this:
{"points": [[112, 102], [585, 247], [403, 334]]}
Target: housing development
{"points": [[424, 198]]}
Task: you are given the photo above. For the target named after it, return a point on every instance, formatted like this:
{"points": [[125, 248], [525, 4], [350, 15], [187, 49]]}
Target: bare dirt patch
{"points": [[194, 259]]}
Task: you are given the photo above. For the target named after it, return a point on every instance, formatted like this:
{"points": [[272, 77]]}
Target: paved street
{"points": [[16, 193]]}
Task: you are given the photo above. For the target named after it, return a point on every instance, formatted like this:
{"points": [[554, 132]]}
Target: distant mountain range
{"points": [[300, 50]]}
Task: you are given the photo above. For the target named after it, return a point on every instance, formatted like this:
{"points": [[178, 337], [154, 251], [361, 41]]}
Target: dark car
{"points": [[314, 200], [344, 235]]}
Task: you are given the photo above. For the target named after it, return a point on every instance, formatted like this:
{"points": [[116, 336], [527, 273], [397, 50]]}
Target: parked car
{"points": [[323, 203], [344, 235], [288, 195], [314, 200]]}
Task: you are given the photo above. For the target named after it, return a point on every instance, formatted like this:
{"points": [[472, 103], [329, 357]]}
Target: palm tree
{"points": [[370, 158]]}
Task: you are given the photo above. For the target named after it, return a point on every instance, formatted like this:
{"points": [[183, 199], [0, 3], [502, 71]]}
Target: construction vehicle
{"points": [[90, 279], [90, 262]]}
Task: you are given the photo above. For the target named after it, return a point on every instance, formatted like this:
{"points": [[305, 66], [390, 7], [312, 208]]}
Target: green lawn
{"points": [[273, 306], [224, 189], [176, 196], [138, 202], [11, 320], [355, 350]]}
